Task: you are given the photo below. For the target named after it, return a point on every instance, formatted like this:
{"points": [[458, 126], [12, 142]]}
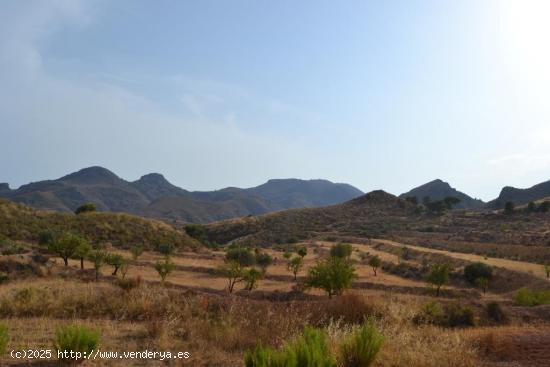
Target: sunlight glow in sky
{"points": [[378, 94]]}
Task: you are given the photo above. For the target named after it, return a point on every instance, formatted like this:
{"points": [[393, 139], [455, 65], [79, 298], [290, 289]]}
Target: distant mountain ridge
{"points": [[521, 196], [438, 190], [152, 195]]}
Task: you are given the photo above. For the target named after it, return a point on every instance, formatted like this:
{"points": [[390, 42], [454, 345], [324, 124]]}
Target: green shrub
{"points": [[333, 275], [454, 315], [341, 250], [532, 297], [477, 270], [311, 349], [360, 348], [496, 313], [79, 339], [86, 208], [4, 339], [431, 313], [243, 256], [4, 277], [458, 315]]}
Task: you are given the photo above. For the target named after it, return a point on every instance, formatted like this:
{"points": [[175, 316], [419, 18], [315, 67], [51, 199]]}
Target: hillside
{"points": [[438, 190], [152, 195], [521, 196], [21, 222]]}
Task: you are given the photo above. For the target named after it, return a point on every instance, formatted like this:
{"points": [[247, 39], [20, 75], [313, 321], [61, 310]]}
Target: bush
{"points": [[243, 256], [85, 208], [4, 339], [496, 313], [438, 276], [360, 348], [532, 297], [128, 284], [458, 315], [477, 270], [164, 268], [166, 249], [79, 339], [311, 349], [433, 313], [341, 250], [333, 275]]}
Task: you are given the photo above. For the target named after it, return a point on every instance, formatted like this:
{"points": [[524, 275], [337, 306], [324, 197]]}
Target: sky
{"points": [[379, 94]]}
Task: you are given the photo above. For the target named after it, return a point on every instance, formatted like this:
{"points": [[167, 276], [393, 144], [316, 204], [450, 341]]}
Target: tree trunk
{"points": [[66, 260], [437, 291], [116, 270], [81, 263], [96, 275]]}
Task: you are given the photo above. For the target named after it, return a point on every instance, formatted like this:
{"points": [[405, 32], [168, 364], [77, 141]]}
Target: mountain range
{"points": [[153, 196], [521, 196]]}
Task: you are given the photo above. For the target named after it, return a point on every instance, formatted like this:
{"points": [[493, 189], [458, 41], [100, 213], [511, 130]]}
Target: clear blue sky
{"points": [[378, 94]]}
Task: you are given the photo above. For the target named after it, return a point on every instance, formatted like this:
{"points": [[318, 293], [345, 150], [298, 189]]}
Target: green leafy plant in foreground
{"points": [[76, 338], [361, 347]]}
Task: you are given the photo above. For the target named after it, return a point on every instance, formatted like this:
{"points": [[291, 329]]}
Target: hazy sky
{"points": [[379, 94]]}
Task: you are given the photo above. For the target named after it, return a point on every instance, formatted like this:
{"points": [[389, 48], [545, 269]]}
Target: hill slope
{"points": [[152, 195], [438, 190], [521, 196], [21, 222]]}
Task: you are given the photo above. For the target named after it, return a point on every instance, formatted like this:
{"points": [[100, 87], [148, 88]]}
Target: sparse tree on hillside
{"points": [[85, 208], [66, 246], [483, 284], [116, 261], [164, 268], [136, 252], [294, 265], [438, 276], [263, 260], [81, 252], [509, 207], [97, 257], [287, 255], [333, 275], [375, 263], [341, 250], [251, 277], [234, 273], [302, 251], [531, 207]]}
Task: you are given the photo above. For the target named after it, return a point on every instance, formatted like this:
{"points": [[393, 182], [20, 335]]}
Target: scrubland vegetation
{"points": [[368, 302]]}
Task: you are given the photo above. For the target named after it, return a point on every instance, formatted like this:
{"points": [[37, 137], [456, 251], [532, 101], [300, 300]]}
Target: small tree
{"points": [[166, 249], [509, 207], [287, 255], [477, 270], [375, 263], [547, 269], [116, 261], [263, 260], [302, 251], [438, 276], [97, 258], [81, 252], [234, 273], [341, 250], [531, 207], [85, 208], [294, 265], [243, 256], [483, 284], [251, 278], [333, 275], [66, 246], [136, 251], [164, 268]]}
